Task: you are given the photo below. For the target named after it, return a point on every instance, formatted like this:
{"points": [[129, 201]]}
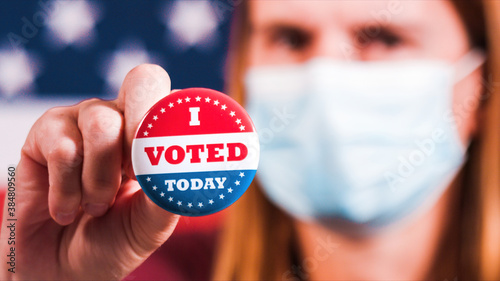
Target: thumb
{"points": [[143, 86], [150, 224]]}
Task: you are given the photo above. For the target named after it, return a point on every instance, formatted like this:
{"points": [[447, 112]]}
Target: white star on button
{"points": [[210, 201], [162, 194], [230, 190], [170, 199]]}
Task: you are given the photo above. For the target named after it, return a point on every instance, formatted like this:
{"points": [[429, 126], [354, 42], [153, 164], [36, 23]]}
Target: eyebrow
{"points": [[407, 27], [280, 23], [398, 27], [410, 30]]}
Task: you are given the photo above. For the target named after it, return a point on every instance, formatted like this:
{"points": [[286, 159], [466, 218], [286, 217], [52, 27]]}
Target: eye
{"points": [[378, 35], [290, 37]]}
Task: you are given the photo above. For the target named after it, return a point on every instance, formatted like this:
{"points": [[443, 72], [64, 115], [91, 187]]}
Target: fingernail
{"points": [[96, 209], [65, 218]]}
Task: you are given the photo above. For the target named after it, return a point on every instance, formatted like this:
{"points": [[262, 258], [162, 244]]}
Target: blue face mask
{"points": [[356, 143]]}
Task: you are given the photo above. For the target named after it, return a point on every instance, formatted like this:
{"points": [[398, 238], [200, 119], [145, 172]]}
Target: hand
{"points": [[80, 212]]}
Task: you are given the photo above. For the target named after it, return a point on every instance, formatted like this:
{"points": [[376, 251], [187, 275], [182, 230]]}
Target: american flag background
{"points": [[59, 52]]}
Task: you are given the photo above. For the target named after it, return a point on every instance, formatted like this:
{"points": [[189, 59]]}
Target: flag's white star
{"points": [[148, 179], [171, 105], [162, 194], [223, 107], [238, 121], [232, 113], [190, 205], [154, 187], [210, 201], [188, 99], [192, 23], [200, 204], [237, 182], [162, 110], [179, 203], [179, 101], [18, 70], [150, 125], [242, 174], [207, 99], [230, 190], [146, 133], [221, 196], [216, 102], [115, 65], [242, 128], [170, 199], [155, 117], [198, 98], [72, 23]]}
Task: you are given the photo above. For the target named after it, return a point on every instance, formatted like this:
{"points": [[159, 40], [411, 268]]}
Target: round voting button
{"points": [[195, 152]]}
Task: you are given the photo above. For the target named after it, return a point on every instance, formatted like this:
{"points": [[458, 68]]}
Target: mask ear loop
{"points": [[467, 64]]}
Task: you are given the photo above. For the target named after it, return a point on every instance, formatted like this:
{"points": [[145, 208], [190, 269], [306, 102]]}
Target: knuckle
{"points": [[27, 148], [103, 124], [66, 154], [55, 113], [53, 121], [48, 134], [89, 102]]}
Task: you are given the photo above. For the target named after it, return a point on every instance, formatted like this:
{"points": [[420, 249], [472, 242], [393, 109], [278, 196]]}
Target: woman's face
{"points": [[285, 32]]}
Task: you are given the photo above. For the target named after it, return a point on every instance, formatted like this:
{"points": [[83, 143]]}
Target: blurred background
{"points": [[59, 52]]}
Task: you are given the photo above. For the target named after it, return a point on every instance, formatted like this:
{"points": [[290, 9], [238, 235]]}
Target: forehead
{"points": [[344, 12]]}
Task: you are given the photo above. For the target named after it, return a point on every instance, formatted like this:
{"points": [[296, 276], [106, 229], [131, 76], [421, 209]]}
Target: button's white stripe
{"points": [[142, 164]]}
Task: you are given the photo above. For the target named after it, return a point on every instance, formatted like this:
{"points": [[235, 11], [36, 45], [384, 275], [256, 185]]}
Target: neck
{"points": [[404, 252]]}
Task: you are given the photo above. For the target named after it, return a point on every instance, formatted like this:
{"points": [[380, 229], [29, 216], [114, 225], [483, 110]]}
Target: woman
{"points": [[441, 218]]}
